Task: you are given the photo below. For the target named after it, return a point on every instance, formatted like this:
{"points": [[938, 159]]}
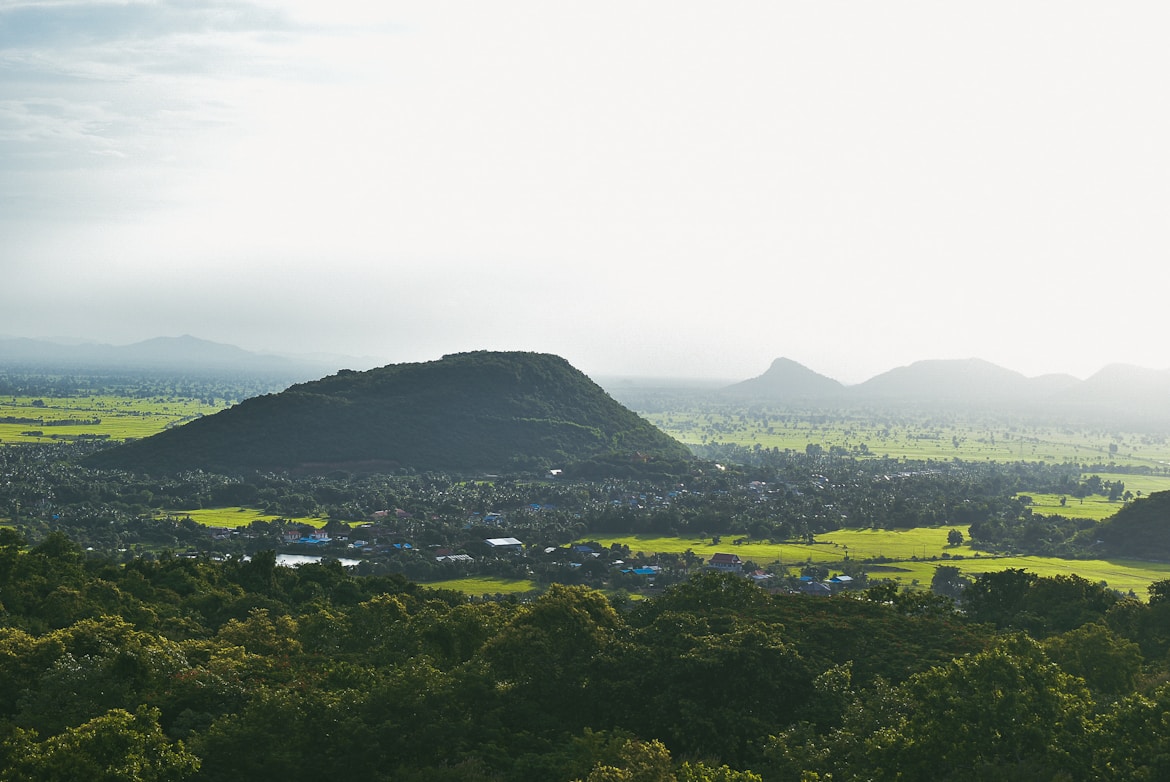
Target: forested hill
{"points": [[466, 412], [1140, 529]]}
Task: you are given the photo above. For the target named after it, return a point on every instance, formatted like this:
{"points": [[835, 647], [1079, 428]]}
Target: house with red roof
{"points": [[729, 563]]}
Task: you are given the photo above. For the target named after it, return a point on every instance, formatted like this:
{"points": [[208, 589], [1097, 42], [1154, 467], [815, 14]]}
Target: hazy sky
{"points": [[655, 188]]}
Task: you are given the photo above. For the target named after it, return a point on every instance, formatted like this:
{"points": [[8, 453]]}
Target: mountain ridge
{"points": [[28, 349], [158, 354], [1117, 392]]}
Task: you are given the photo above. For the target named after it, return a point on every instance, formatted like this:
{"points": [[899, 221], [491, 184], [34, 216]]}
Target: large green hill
{"points": [[479, 411], [1140, 530]]}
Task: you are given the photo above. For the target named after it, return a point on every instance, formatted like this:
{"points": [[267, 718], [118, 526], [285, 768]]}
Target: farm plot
{"points": [[829, 548], [913, 557], [115, 418], [1096, 508], [485, 585], [922, 437], [1121, 575], [234, 518]]}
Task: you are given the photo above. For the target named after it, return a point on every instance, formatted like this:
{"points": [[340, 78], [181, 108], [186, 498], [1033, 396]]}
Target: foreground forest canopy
{"points": [[138, 643], [190, 669]]}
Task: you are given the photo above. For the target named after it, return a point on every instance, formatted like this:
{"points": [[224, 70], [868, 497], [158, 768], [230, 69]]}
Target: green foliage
{"points": [[1140, 529], [223, 671], [1131, 742], [1109, 664], [1017, 599], [117, 746], [957, 718]]}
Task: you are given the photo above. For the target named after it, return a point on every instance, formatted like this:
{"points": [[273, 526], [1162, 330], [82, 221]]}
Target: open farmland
{"points": [[234, 518], [485, 585], [1095, 507], [1121, 575], [829, 548], [105, 417], [914, 554], [913, 437]]}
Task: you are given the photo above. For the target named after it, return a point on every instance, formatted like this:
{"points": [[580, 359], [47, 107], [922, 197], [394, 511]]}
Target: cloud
{"points": [[43, 25], [765, 178]]}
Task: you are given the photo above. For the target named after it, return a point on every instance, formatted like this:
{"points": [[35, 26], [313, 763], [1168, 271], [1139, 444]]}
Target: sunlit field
{"points": [[921, 437], [915, 554], [1140, 485], [485, 585], [830, 548], [239, 517], [1094, 507], [1122, 575], [45, 419]]}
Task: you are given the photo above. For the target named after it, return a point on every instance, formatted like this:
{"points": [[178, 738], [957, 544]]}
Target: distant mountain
{"points": [[1117, 395], [1121, 386], [168, 354], [787, 380], [481, 411], [966, 380]]}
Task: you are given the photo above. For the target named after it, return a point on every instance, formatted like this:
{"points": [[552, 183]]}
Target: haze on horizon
{"points": [[659, 189]]}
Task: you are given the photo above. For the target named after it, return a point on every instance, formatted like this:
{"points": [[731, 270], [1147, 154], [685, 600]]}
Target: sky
{"points": [[682, 189]]}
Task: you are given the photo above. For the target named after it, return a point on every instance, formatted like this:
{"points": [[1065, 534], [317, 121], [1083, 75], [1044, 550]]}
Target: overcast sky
{"points": [[651, 188]]}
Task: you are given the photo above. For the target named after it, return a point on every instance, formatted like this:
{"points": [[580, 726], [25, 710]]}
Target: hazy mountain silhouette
{"points": [[786, 379], [969, 380], [161, 354], [481, 411], [1121, 383], [1120, 395], [1117, 395]]}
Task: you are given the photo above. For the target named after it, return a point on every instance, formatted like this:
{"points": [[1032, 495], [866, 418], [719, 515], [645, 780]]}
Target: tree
{"points": [[116, 747], [998, 597], [543, 655], [949, 581], [640, 761], [1132, 740], [1007, 712], [955, 538], [1108, 663]]}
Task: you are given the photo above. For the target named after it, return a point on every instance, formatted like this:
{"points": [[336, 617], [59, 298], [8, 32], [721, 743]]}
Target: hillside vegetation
{"points": [[1137, 530], [466, 412]]}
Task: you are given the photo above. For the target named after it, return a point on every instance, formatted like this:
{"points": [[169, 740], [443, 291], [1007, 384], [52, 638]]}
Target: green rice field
{"points": [[45, 419], [239, 517], [915, 437], [485, 585], [916, 554], [829, 548], [1096, 508], [1122, 575]]}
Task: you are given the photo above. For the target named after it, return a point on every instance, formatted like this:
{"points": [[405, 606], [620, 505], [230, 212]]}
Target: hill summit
{"points": [[784, 380], [478, 411]]}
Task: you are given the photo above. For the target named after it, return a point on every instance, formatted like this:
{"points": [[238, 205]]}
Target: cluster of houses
{"points": [[353, 540]]}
